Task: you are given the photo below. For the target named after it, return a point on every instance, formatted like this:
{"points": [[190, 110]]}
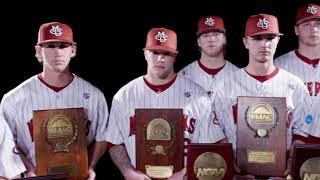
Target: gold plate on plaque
{"points": [[210, 166], [262, 114], [158, 129], [60, 132], [261, 157], [310, 169], [159, 171]]}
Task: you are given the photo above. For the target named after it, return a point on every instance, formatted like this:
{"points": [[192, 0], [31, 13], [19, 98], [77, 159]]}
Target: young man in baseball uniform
{"points": [[260, 78], [55, 88], [211, 67], [304, 62], [160, 88], [11, 164]]}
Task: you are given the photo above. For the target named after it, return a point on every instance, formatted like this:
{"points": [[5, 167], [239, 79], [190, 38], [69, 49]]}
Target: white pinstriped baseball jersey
{"points": [[182, 94], [10, 162], [240, 83], [194, 72], [17, 107], [310, 75]]}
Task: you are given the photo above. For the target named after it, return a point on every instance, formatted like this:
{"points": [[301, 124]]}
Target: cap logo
{"points": [[312, 10], [56, 30], [161, 36], [263, 23], [209, 21]]}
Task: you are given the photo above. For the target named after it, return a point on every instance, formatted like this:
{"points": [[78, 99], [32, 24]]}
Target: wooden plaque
{"points": [[159, 141], [262, 135], [306, 161], [210, 161], [60, 143]]}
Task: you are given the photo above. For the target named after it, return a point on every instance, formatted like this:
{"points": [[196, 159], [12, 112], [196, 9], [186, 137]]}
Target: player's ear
{"points": [[296, 30], [74, 51], [38, 54], [245, 42]]}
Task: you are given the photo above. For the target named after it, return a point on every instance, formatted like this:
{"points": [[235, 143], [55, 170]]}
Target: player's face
{"points": [[309, 32], [56, 55], [261, 47], [160, 63], [212, 43]]}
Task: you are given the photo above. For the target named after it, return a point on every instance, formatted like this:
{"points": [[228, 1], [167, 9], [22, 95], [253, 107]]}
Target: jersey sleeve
{"points": [[102, 118], [10, 162], [8, 112], [303, 104], [114, 134]]}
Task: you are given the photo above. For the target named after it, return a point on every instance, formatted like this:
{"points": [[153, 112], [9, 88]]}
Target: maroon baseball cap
{"points": [[261, 24], [210, 23], [307, 12], [161, 39], [55, 32]]}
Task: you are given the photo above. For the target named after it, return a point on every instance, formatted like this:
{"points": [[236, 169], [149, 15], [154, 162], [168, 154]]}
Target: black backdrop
{"points": [[111, 36]]}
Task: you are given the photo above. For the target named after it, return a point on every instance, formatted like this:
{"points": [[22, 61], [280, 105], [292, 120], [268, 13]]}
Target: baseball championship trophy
{"points": [[306, 162], [210, 161], [60, 144], [159, 141], [262, 135]]}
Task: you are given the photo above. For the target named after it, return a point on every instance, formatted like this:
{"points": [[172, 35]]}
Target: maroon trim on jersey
{"points": [[56, 89], [235, 113], [132, 126], [313, 140], [312, 62], [264, 78], [210, 71], [110, 145], [159, 88], [301, 138]]}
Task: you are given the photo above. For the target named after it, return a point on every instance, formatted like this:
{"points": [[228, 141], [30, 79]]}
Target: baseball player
{"points": [[304, 61], [211, 67], [260, 78], [160, 88], [55, 87], [10, 163]]}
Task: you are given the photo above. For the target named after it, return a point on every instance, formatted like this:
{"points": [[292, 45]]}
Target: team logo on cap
{"points": [[161, 36], [210, 21], [312, 10], [56, 30], [263, 23]]}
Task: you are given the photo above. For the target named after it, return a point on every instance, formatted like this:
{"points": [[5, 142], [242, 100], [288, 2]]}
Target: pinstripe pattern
{"points": [[283, 84], [183, 93], [10, 163], [17, 107], [194, 72], [311, 77]]}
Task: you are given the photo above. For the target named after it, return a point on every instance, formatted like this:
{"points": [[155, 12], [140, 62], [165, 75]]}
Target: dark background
{"points": [[111, 36]]}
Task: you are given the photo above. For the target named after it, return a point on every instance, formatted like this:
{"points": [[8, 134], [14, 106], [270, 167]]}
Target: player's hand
{"points": [[135, 175], [92, 174], [179, 175], [30, 173]]}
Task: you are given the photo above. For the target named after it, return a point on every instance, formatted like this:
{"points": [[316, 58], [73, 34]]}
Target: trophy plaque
{"points": [[306, 162], [262, 135], [60, 144], [159, 141], [210, 161]]}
